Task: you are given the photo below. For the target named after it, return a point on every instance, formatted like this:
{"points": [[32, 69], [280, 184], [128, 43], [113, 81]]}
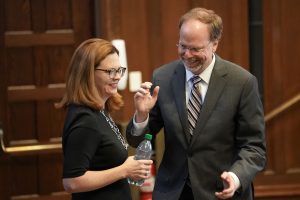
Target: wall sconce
{"points": [[120, 45]]}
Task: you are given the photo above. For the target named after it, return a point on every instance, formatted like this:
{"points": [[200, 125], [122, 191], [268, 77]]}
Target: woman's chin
{"points": [[114, 91], [111, 91]]}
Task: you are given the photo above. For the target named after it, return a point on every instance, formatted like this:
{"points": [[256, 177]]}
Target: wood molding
{"points": [[53, 196], [285, 190], [32, 93], [28, 38]]}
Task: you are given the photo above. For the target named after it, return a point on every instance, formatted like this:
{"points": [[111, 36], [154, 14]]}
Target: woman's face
{"points": [[106, 85]]}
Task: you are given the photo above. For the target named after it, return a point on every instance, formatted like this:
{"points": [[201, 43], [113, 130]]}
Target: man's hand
{"points": [[144, 102], [229, 186]]}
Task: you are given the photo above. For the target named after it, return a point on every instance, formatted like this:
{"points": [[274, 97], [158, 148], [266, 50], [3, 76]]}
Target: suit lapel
{"points": [[178, 87], [215, 88]]}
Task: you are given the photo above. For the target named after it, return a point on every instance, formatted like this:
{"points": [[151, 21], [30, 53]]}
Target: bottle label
{"points": [[148, 185]]}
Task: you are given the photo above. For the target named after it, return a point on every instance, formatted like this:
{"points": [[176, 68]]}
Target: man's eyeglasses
{"points": [[112, 72], [193, 50]]}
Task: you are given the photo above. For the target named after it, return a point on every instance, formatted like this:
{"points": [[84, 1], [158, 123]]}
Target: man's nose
{"points": [[187, 53]]}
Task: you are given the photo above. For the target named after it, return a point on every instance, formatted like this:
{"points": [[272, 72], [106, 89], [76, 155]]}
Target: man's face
{"points": [[194, 47]]}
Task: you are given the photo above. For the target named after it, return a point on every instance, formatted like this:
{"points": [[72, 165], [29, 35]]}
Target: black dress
{"points": [[90, 144]]}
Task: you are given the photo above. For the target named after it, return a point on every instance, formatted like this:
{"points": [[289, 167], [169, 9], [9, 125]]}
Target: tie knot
{"points": [[195, 80]]}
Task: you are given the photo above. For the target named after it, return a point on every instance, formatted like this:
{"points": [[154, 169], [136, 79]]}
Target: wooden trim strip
{"points": [[62, 195], [55, 145], [282, 108], [284, 190], [32, 93], [29, 38], [29, 149]]}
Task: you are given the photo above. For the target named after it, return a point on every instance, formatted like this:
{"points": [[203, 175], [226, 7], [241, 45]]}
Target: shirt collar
{"points": [[205, 75]]}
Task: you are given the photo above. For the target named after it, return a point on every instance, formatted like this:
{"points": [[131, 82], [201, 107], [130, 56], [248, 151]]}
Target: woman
{"points": [[95, 153]]}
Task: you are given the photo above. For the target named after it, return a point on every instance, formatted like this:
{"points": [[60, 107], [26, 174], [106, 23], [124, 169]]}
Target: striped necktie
{"points": [[194, 104]]}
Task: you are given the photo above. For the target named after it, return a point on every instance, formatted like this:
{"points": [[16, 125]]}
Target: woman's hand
{"points": [[137, 169]]}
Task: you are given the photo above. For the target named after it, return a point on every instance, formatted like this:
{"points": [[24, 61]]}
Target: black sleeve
{"points": [[79, 150]]}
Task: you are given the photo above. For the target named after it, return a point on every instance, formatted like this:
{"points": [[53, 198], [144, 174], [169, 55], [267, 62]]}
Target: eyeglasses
{"points": [[193, 50], [112, 72]]}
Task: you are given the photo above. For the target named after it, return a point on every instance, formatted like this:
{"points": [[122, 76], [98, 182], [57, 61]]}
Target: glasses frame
{"points": [[112, 72], [193, 50]]}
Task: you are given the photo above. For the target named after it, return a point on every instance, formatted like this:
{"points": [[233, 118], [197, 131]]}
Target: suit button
{"points": [[190, 153]]}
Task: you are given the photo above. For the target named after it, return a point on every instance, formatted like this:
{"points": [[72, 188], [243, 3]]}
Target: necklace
{"points": [[115, 129]]}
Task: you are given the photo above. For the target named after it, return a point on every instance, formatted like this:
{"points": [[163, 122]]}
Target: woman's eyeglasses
{"points": [[112, 72]]}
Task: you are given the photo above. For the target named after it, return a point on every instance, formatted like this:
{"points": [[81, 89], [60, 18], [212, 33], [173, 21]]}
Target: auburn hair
{"points": [[80, 82]]}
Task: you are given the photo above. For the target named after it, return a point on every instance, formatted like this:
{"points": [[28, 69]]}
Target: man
{"points": [[211, 114]]}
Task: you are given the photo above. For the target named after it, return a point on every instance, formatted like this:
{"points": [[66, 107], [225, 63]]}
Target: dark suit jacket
{"points": [[229, 135]]}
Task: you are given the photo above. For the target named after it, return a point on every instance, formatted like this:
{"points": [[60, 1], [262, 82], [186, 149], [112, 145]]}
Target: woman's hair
{"points": [[208, 17], [80, 84]]}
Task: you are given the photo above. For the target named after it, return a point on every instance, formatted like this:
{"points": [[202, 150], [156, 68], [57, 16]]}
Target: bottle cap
{"points": [[148, 136]]}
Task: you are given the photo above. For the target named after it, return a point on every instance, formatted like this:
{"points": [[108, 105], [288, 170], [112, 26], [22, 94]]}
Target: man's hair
{"points": [[208, 17]]}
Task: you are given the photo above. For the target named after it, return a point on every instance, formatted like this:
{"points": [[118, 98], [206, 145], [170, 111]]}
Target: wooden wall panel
{"points": [[281, 179], [38, 38], [57, 61], [48, 175], [22, 123], [23, 175], [234, 45], [63, 19], [135, 30], [170, 11], [17, 10], [17, 73]]}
